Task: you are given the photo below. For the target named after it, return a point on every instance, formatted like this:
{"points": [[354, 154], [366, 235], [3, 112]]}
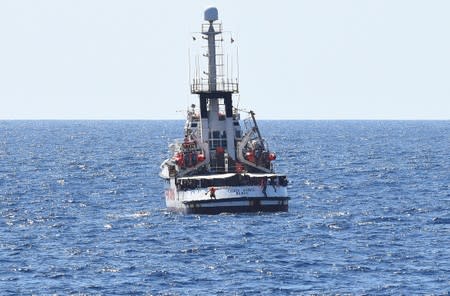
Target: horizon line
{"points": [[266, 119]]}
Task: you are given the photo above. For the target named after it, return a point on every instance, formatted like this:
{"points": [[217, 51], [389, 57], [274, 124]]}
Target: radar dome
{"points": [[211, 14]]}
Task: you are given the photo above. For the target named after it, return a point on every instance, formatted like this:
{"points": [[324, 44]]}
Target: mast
{"points": [[211, 16], [216, 95]]}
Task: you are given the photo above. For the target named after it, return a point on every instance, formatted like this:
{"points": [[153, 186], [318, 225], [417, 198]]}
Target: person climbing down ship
{"points": [[212, 192], [264, 186], [273, 183]]}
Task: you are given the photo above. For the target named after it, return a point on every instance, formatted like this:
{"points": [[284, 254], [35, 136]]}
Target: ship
{"points": [[222, 164]]}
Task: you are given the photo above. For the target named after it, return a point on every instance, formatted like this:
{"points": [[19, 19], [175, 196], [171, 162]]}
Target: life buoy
{"points": [[250, 156], [272, 156], [179, 159]]}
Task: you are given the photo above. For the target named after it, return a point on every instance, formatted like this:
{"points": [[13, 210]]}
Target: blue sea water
{"points": [[82, 213]]}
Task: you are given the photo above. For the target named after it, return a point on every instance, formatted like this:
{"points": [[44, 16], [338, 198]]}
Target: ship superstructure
{"points": [[220, 165]]}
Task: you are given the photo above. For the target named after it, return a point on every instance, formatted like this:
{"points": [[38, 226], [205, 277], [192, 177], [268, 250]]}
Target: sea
{"points": [[82, 213]]}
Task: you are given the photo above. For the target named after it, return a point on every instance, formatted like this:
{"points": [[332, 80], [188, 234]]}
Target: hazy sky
{"points": [[321, 59]]}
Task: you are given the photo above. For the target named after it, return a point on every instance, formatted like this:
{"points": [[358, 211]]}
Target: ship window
{"points": [[193, 124], [218, 139], [213, 144]]}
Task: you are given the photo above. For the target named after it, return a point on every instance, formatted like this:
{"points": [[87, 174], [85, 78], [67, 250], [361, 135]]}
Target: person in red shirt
{"points": [[212, 192]]}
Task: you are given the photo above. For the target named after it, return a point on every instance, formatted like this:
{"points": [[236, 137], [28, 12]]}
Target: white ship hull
{"points": [[232, 199]]}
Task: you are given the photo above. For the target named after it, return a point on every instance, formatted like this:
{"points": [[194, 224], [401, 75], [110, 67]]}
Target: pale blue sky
{"points": [[326, 59]]}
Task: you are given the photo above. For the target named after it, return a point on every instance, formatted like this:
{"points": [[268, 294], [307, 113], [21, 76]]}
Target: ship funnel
{"points": [[211, 14]]}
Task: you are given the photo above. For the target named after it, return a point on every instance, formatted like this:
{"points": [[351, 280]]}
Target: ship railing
{"points": [[216, 25], [224, 85]]}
